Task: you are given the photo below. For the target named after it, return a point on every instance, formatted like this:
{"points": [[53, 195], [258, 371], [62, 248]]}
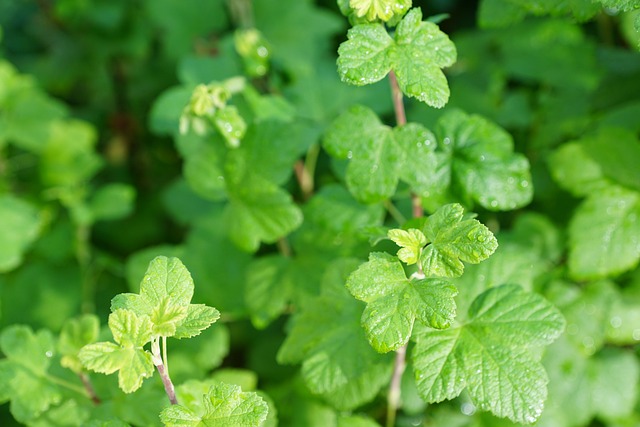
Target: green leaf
{"points": [[490, 354], [420, 168], [260, 211], [75, 334], [24, 372], [454, 240], [165, 295], [416, 54], [375, 159], [411, 242], [616, 151], [337, 361], [622, 5], [112, 201], [69, 158], [270, 286], [421, 51], [199, 317], [604, 234], [383, 10], [127, 356], [230, 124], [575, 171], [19, 227], [223, 405], [365, 57], [395, 302], [481, 163]]}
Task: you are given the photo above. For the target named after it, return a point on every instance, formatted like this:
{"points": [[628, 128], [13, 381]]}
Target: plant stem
{"points": [[68, 385], [241, 13], [89, 388], [159, 362], [305, 171], [393, 400], [398, 103]]}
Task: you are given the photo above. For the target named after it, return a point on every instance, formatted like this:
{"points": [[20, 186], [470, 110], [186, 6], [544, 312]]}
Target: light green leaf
{"points": [[337, 361], [490, 354], [411, 242], [481, 162], [622, 5], [165, 294], [223, 405], [575, 171], [134, 364], [375, 158], [395, 302], [616, 151], [383, 10], [112, 201], [19, 227], [417, 54], [365, 57], [604, 234], [24, 372], [75, 334], [69, 158], [230, 124], [199, 317], [454, 240]]}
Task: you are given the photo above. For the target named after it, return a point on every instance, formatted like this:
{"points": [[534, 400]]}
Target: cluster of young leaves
{"points": [[162, 309]]}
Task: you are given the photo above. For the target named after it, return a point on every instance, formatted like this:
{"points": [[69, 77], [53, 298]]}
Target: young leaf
{"points": [[222, 405], [416, 54], [481, 163], [490, 354], [337, 361], [379, 9], [75, 334], [411, 242], [130, 332], [165, 296], [395, 302], [453, 240], [24, 372], [604, 234], [19, 227]]}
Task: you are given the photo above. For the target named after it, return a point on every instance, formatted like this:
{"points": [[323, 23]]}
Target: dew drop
{"points": [[494, 203], [524, 183], [220, 178], [482, 158], [349, 154], [468, 408], [446, 141], [511, 180], [49, 353], [615, 322]]}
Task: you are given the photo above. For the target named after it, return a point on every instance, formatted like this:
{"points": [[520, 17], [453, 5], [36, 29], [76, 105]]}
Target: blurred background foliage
{"points": [[92, 185]]}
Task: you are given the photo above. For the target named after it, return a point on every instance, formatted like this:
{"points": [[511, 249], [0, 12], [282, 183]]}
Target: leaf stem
{"points": [[394, 212], [305, 171], [67, 385], [89, 388], [393, 400], [398, 103], [162, 370]]}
